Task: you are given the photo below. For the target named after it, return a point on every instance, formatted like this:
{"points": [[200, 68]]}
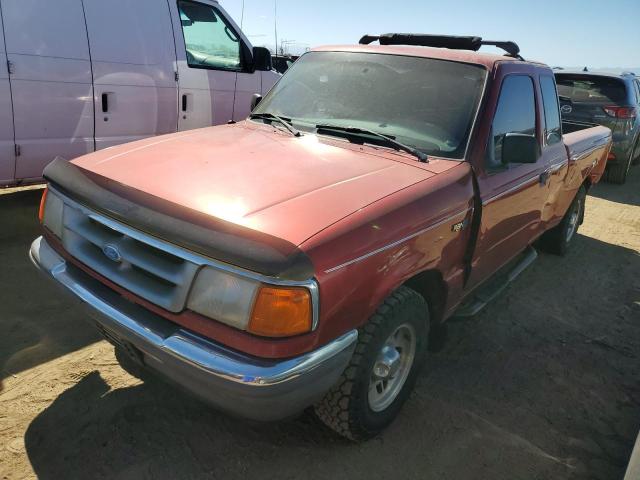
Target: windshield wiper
{"points": [[389, 140], [270, 116]]}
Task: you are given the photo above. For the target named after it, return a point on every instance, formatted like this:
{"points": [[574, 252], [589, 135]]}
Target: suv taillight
{"points": [[620, 112]]}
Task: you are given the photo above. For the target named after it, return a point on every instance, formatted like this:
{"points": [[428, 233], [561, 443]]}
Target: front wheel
{"points": [[382, 372], [558, 239]]}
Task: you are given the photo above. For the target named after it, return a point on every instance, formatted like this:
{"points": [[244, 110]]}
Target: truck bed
{"points": [[573, 126], [588, 146]]}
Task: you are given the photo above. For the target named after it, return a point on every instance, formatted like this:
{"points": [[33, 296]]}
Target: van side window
{"points": [[553, 129], [209, 40], [516, 113]]}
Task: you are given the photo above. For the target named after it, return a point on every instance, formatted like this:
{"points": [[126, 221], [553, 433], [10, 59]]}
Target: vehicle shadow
{"points": [[37, 323], [629, 193], [542, 384]]}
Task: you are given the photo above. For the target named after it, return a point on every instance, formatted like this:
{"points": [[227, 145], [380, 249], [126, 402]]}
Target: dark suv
{"points": [[610, 100]]}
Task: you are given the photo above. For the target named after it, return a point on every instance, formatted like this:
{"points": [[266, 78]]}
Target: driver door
{"points": [[513, 192], [209, 57]]}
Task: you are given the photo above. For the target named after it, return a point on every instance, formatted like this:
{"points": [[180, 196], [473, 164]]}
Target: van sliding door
{"points": [[133, 57], [7, 145], [46, 45]]}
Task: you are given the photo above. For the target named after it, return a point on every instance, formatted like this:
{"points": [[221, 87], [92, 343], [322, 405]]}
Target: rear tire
{"points": [[617, 173], [392, 346], [636, 153], [558, 239]]}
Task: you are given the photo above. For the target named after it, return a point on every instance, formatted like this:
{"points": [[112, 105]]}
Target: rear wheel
{"points": [[382, 372], [636, 153], [558, 239], [617, 173]]}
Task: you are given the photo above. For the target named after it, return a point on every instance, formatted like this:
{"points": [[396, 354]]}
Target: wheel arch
{"points": [[431, 285]]}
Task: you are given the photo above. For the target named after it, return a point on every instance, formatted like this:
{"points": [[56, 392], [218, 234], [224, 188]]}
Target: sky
{"points": [[569, 33]]}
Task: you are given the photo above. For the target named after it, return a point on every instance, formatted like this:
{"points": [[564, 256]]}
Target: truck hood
{"points": [[258, 177]]}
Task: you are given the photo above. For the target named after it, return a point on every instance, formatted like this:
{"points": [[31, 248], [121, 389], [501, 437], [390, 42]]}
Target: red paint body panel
{"points": [[410, 232], [369, 218], [257, 176]]}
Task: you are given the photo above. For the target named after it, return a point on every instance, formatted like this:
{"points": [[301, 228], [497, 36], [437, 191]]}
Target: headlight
{"points": [[50, 214], [266, 310], [223, 296]]}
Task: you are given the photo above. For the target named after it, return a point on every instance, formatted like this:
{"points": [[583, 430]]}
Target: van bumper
{"points": [[255, 388]]}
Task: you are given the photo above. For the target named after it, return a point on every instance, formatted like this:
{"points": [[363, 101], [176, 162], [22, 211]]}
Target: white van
{"points": [[81, 75]]}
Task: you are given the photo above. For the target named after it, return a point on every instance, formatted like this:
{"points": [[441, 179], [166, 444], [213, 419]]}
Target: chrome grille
{"points": [[153, 274]]}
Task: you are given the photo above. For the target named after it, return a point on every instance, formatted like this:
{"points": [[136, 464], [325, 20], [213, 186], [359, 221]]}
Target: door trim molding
{"points": [[520, 185]]}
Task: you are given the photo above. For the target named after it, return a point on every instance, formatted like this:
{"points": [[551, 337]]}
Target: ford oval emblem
{"points": [[566, 109], [112, 253]]}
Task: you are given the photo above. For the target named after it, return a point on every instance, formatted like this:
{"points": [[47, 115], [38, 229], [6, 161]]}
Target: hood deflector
{"points": [[195, 231]]}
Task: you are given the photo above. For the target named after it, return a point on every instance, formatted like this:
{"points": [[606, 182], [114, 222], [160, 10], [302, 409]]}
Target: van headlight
{"points": [[247, 304], [51, 211]]}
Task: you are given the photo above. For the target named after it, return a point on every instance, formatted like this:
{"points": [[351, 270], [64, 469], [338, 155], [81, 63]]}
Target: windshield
{"points": [[425, 103]]}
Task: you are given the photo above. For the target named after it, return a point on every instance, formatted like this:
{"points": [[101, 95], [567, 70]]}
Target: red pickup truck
{"points": [[302, 257]]}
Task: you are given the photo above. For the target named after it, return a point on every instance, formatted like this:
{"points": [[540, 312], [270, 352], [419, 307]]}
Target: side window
{"points": [[515, 114], [210, 41], [553, 129], [637, 84]]}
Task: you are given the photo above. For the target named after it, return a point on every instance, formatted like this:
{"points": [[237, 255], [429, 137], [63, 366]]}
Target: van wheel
{"points": [[558, 239], [390, 351]]}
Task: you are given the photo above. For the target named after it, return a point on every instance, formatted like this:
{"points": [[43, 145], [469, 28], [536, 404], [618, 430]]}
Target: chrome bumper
{"points": [[251, 387]]}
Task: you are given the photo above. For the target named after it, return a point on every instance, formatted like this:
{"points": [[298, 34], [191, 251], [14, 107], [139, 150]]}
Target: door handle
{"points": [[105, 102], [184, 103]]}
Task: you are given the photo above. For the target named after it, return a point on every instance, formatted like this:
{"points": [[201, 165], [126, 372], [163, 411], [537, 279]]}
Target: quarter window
{"points": [[516, 113], [210, 41], [553, 130]]}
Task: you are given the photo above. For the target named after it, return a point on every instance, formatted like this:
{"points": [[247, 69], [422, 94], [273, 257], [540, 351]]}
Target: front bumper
{"points": [[250, 387]]}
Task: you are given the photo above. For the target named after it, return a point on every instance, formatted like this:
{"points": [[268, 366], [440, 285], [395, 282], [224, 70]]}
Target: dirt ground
{"points": [[543, 384]]}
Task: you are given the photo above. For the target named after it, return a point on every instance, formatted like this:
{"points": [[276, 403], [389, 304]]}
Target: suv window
{"points": [[591, 88], [210, 41], [516, 113], [637, 85], [553, 131]]}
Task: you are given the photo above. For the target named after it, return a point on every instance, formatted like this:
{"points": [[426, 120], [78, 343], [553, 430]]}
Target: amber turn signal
{"points": [[43, 201], [281, 312]]}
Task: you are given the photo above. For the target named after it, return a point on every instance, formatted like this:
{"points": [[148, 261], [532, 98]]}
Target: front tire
{"points": [[390, 351], [129, 365], [558, 239]]}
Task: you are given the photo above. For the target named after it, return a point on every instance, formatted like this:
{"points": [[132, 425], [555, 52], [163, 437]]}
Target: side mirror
{"points": [[519, 148], [256, 98], [262, 59]]}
